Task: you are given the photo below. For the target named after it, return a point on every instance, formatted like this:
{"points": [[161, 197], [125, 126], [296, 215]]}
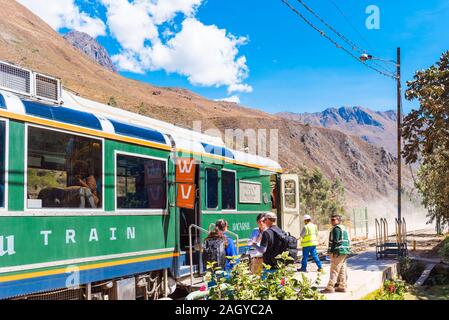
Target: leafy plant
{"points": [[392, 290], [444, 250], [276, 284]]}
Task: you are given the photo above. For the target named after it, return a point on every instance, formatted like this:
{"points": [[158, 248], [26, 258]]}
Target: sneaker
{"points": [[328, 290], [301, 270], [340, 290], [321, 270]]}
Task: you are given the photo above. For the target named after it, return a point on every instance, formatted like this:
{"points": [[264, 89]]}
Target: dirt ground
{"points": [[427, 245]]}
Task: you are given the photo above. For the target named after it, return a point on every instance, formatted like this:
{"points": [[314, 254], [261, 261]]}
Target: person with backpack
{"points": [[275, 241], [339, 250], [309, 241], [218, 245]]}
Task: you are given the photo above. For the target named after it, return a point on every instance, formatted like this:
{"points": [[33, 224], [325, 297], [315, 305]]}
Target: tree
{"points": [[318, 196], [112, 102], [426, 135]]}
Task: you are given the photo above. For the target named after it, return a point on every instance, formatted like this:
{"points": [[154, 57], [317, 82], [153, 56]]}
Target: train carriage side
{"points": [[83, 199]]}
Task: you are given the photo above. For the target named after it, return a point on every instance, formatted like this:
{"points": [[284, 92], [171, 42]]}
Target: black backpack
{"points": [[287, 242], [215, 250]]}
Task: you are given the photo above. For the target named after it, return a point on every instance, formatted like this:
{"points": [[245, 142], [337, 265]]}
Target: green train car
{"points": [[89, 193]]}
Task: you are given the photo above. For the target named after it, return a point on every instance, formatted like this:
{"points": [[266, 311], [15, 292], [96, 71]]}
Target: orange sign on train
{"points": [[185, 170], [186, 196]]}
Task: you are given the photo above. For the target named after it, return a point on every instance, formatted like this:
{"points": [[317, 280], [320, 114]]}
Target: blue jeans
{"points": [[306, 251]]}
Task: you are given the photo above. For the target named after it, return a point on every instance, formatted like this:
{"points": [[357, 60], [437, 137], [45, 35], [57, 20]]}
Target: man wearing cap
{"points": [[309, 235], [270, 245]]}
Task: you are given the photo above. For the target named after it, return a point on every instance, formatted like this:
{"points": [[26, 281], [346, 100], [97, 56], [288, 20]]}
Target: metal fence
{"points": [[360, 223]]}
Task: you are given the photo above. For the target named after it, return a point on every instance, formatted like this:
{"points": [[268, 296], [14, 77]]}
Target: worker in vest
{"points": [[309, 235], [339, 250]]}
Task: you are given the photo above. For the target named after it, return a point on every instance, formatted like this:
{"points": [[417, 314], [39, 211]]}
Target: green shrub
{"points": [[392, 290], [279, 284], [410, 270], [444, 250]]}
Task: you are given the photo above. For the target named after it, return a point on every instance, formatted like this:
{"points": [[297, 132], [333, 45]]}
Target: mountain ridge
{"points": [[375, 127], [91, 48]]}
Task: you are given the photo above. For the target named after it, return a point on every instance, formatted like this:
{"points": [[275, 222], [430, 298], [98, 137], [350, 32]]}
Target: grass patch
{"points": [[372, 295], [428, 293]]}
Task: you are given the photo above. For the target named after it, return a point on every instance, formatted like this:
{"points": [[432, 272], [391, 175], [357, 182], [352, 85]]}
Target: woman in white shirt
{"points": [[256, 262]]}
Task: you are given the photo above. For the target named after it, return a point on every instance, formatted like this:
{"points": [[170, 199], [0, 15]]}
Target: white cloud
{"points": [[65, 14], [205, 54], [130, 23], [165, 10], [128, 61], [150, 39], [234, 99]]}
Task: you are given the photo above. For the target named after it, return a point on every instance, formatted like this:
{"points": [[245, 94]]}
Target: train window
{"points": [[290, 194], [141, 183], [211, 188], [63, 170], [228, 190], [2, 162]]}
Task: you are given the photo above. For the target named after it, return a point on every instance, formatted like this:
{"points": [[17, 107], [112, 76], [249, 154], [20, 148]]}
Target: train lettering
{"points": [[70, 237], [9, 248], [241, 226]]}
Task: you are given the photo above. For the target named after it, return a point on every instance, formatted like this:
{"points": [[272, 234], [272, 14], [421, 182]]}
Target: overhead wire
{"points": [[344, 38], [354, 46], [337, 45]]}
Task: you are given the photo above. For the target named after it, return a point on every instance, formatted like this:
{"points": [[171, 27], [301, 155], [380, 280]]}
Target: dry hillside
{"points": [[367, 171]]}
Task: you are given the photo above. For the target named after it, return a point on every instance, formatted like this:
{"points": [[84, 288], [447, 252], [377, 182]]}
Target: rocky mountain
{"points": [[91, 47], [375, 127], [367, 171]]}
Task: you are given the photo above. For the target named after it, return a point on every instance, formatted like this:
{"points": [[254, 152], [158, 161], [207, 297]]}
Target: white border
{"points": [[6, 186], [235, 191], [141, 211], [62, 211]]}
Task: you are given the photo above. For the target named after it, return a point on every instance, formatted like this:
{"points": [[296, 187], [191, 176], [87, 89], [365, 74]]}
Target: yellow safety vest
{"points": [[311, 237]]}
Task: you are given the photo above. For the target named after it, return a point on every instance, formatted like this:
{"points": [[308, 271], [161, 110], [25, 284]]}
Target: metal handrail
{"points": [[386, 233], [191, 248], [378, 232]]}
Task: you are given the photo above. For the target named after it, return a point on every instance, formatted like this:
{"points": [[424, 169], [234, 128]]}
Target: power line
{"points": [[322, 33], [350, 23], [341, 36], [362, 37]]}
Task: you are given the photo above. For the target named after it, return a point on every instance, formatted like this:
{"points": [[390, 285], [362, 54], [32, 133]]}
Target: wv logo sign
{"points": [[7, 246]]}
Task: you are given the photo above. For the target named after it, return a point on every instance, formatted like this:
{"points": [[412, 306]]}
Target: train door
{"points": [[289, 201], [189, 216]]}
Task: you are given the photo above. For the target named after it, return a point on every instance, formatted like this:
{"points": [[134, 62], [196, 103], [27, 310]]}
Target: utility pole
{"points": [[399, 123]]}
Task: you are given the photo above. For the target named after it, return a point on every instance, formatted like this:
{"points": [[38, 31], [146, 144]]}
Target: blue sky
{"points": [[287, 66]]}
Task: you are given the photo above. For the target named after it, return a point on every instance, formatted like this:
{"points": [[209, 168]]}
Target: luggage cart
{"points": [[391, 245]]}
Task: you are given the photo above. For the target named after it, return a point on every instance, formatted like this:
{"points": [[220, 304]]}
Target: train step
{"points": [[185, 270]]}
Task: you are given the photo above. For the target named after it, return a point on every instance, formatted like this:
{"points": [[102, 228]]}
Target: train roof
{"points": [[96, 118]]}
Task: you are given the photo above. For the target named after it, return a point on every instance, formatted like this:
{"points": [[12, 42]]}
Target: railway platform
{"points": [[365, 275]]}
